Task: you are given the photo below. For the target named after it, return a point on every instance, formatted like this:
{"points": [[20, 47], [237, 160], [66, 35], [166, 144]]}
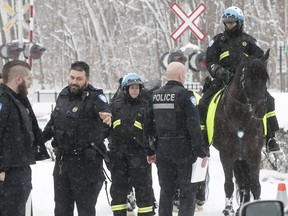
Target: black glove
{"points": [[207, 83], [224, 75]]}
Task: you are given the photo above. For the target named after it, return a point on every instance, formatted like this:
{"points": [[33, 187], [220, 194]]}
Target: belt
{"points": [[71, 152]]}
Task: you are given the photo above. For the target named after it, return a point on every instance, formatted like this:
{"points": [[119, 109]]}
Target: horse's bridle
{"points": [[249, 99], [249, 102]]}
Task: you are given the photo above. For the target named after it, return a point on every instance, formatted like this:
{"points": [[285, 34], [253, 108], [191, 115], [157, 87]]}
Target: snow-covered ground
{"points": [[42, 193]]}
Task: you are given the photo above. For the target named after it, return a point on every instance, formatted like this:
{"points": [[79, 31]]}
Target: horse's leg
{"points": [[243, 179], [255, 183], [242, 175], [228, 187]]}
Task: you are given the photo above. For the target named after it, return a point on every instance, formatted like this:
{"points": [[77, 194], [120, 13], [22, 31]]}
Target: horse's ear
{"points": [[266, 55]]}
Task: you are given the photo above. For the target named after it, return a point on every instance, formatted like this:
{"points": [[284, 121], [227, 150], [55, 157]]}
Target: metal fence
{"points": [[51, 96]]}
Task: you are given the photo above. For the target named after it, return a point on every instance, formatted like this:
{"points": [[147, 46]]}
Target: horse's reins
{"points": [[250, 99], [240, 132], [226, 92]]}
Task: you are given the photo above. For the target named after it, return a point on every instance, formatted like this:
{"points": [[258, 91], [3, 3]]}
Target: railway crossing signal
{"points": [[196, 61], [13, 50]]}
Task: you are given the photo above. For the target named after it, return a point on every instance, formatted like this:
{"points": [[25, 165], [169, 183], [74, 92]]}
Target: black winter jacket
{"points": [[75, 122], [228, 50], [172, 115], [20, 136], [127, 119]]}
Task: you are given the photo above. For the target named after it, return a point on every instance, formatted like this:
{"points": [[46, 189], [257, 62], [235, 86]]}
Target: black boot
{"points": [[272, 145]]}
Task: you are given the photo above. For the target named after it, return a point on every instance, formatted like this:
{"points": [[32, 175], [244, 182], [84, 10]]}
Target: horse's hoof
{"points": [[198, 208], [175, 208], [228, 211]]}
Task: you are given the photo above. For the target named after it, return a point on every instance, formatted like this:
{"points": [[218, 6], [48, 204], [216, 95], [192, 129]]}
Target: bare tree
{"points": [[121, 36]]}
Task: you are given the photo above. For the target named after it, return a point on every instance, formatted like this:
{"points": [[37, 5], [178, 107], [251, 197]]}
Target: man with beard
{"points": [[78, 126], [20, 139]]}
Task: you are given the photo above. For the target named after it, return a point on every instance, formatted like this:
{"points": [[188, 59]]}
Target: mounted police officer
{"points": [[78, 127], [173, 120], [128, 165], [223, 56], [20, 139]]}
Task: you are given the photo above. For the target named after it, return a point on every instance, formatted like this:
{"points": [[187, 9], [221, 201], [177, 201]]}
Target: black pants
{"points": [[216, 85], [14, 191], [272, 122], [201, 189], [128, 168], [171, 175], [77, 180]]}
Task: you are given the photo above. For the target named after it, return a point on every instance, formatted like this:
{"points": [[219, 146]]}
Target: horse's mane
{"points": [[254, 67]]}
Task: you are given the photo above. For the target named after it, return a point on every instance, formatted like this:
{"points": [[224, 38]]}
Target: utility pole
{"points": [[20, 27], [280, 68]]}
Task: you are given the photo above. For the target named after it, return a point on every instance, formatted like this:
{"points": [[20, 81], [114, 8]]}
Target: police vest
{"points": [[169, 116], [76, 124]]}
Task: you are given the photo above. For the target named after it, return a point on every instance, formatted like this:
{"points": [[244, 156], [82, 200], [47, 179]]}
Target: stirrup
{"points": [[275, 146]]}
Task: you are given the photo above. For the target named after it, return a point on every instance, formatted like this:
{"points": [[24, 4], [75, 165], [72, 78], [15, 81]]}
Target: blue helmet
{"points": [[233, 14], [131, 79]]}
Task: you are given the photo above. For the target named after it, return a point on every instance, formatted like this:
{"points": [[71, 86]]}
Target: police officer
{"points": [[20, 139], [173, 119], [178, 56], [222, 58], [78, 132], [128, 165]]}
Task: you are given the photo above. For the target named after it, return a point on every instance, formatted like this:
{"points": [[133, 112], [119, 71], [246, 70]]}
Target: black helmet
{"points": [[177, 56]]}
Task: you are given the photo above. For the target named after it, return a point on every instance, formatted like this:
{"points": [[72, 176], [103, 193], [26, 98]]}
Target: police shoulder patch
{"points": [[193, 100], [102, 97], [211, 42], [257, 44]]}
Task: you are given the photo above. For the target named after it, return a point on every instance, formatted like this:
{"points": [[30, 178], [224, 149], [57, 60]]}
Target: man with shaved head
{"points": [[176, 71], [173, 122], [20, 139]]}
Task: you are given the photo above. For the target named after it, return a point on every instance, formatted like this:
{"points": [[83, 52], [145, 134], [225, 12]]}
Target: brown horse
{"points": [[239, 132]]}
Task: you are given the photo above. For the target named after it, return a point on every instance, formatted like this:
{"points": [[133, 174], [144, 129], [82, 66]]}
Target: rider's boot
{"points": [[272, 146]]}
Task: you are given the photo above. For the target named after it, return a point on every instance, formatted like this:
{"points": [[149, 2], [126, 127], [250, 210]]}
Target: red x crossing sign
{"points": [[188, 21]]}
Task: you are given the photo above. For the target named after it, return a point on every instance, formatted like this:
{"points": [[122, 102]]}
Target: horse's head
{"points": [[254, 76]]}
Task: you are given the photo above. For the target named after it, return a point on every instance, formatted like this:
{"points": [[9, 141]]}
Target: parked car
{"points": [[263, 208]]}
